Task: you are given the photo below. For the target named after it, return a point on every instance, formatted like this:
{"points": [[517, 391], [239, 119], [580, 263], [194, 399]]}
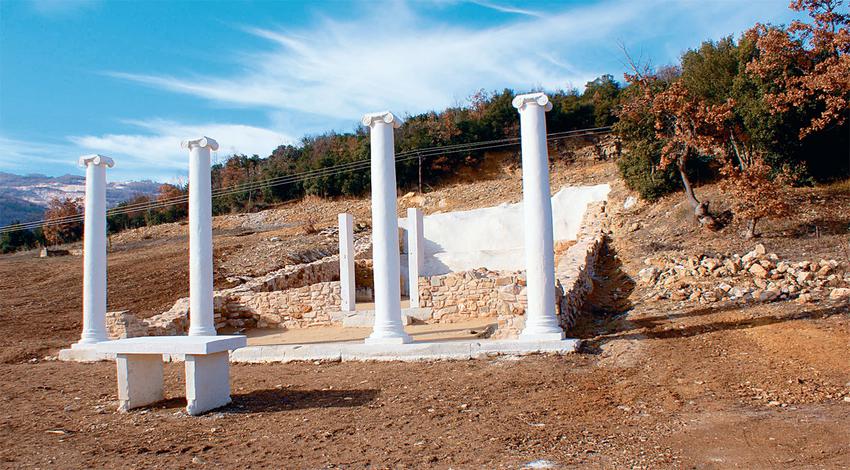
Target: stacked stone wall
{"points": [[308, 295], [573, 275], [465, 295], [300, 275], [302, 307]]}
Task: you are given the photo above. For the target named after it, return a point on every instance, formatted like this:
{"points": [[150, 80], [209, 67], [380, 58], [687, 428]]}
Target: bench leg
{"points": [[207, 382], [139, 380]]}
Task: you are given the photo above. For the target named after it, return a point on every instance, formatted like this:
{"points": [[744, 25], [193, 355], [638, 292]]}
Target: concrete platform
{"points": [[470, 330], [417, 351], [87, 353]]}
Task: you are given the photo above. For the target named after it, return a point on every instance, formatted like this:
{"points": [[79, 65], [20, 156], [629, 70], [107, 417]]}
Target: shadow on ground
{"points": [[272, 400], [652, 322]]}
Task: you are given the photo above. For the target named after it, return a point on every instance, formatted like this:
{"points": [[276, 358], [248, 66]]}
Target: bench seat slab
{"points": [[139, 380], [207, 382]]}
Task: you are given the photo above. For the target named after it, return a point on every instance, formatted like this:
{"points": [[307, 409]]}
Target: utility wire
{"points": [[312, 174], [300, 177]]}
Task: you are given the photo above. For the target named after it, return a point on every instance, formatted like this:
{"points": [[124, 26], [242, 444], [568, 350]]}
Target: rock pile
{"points": [[756, 276]]}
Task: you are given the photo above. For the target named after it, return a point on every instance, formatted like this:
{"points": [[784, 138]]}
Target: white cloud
{"points": [[155, 153], [507, 8], [394, 58], [22, 156]]}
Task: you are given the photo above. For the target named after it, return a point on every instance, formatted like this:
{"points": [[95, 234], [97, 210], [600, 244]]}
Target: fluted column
{"points": [[541, 323], [388, 327], [94, 250], [201, 315]]}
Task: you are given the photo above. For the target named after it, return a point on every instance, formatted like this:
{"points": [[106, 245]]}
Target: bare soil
{"points": [[657, 385]]}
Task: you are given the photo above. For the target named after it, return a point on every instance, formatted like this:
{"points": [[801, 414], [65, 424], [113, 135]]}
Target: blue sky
{"points": [[131, 79]]}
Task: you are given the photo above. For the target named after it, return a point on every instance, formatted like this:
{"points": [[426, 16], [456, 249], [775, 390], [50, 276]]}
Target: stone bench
{"points": [[139, 363]]}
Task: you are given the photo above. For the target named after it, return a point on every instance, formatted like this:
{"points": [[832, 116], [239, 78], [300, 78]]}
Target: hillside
{"points": [[24, 198]]}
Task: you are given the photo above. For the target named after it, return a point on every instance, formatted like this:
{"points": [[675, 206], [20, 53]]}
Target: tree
{"points": [[639, 162], [688, 127], [17, 238], [56, 231], [603, 95], [756, 193], [808, 62]]}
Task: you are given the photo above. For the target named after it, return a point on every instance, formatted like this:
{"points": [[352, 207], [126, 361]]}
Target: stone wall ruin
{"points": [[308, 295]]}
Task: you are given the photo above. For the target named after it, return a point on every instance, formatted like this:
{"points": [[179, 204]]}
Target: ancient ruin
{"points": [[530, 308]]}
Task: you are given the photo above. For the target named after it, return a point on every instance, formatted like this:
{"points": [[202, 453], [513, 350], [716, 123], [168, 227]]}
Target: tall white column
{"points": [[346, 262], [415, 253], [201, 315], [541, 323], [385, 253], [94, 250]]}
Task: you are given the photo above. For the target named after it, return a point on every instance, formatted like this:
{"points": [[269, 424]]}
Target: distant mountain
{"points": [[24, 198]]}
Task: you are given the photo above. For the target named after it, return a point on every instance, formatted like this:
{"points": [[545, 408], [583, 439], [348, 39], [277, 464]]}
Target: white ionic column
{"points": [[94, 250], [415, 253], [541, 323], [201, 315], [388, 327], [346, 262]]}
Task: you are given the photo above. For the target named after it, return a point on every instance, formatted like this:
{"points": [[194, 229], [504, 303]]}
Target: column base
{"points": [[88, 342], [202, 331], [401, 339], [532, 336]]}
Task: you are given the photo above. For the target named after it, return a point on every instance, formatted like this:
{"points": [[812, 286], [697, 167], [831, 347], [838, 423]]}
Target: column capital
{"points": [[96, 159], [200, 142], [381, 116], [540, 99]]}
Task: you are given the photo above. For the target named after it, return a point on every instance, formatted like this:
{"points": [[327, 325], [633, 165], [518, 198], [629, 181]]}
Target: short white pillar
{"points": [[415, 253], [201, 315], [139, 380], [94, 251], [346, 262], [388, 327], [541, 323], [207, 382]]}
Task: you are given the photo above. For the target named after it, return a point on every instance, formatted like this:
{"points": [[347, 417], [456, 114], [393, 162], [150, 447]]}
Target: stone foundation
{"points": [[306, 295]]}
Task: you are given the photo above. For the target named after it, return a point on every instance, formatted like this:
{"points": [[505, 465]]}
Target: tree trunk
{"points": [[700, 208], [751, 229]]}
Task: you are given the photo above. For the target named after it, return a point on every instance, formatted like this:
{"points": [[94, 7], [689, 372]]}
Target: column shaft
{"points": [[415, 252], [94, 256], [541, 322], [201, 315], [388, 327], [346, 262]]}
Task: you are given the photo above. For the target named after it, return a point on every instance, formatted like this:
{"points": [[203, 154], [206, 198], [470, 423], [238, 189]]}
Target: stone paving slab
{"points": [[417, 351]]}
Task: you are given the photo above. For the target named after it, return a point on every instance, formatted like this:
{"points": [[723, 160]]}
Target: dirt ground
{"points": [[657, 384]]}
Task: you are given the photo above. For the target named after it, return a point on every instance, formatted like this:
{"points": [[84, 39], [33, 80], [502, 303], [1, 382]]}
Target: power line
{"points": [[312, 174], [300, 177]]}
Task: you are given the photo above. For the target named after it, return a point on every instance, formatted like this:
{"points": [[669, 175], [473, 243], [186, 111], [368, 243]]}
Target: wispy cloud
{"points": [[155, 151], [340, 69], [507, 8], [20, 156]]}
